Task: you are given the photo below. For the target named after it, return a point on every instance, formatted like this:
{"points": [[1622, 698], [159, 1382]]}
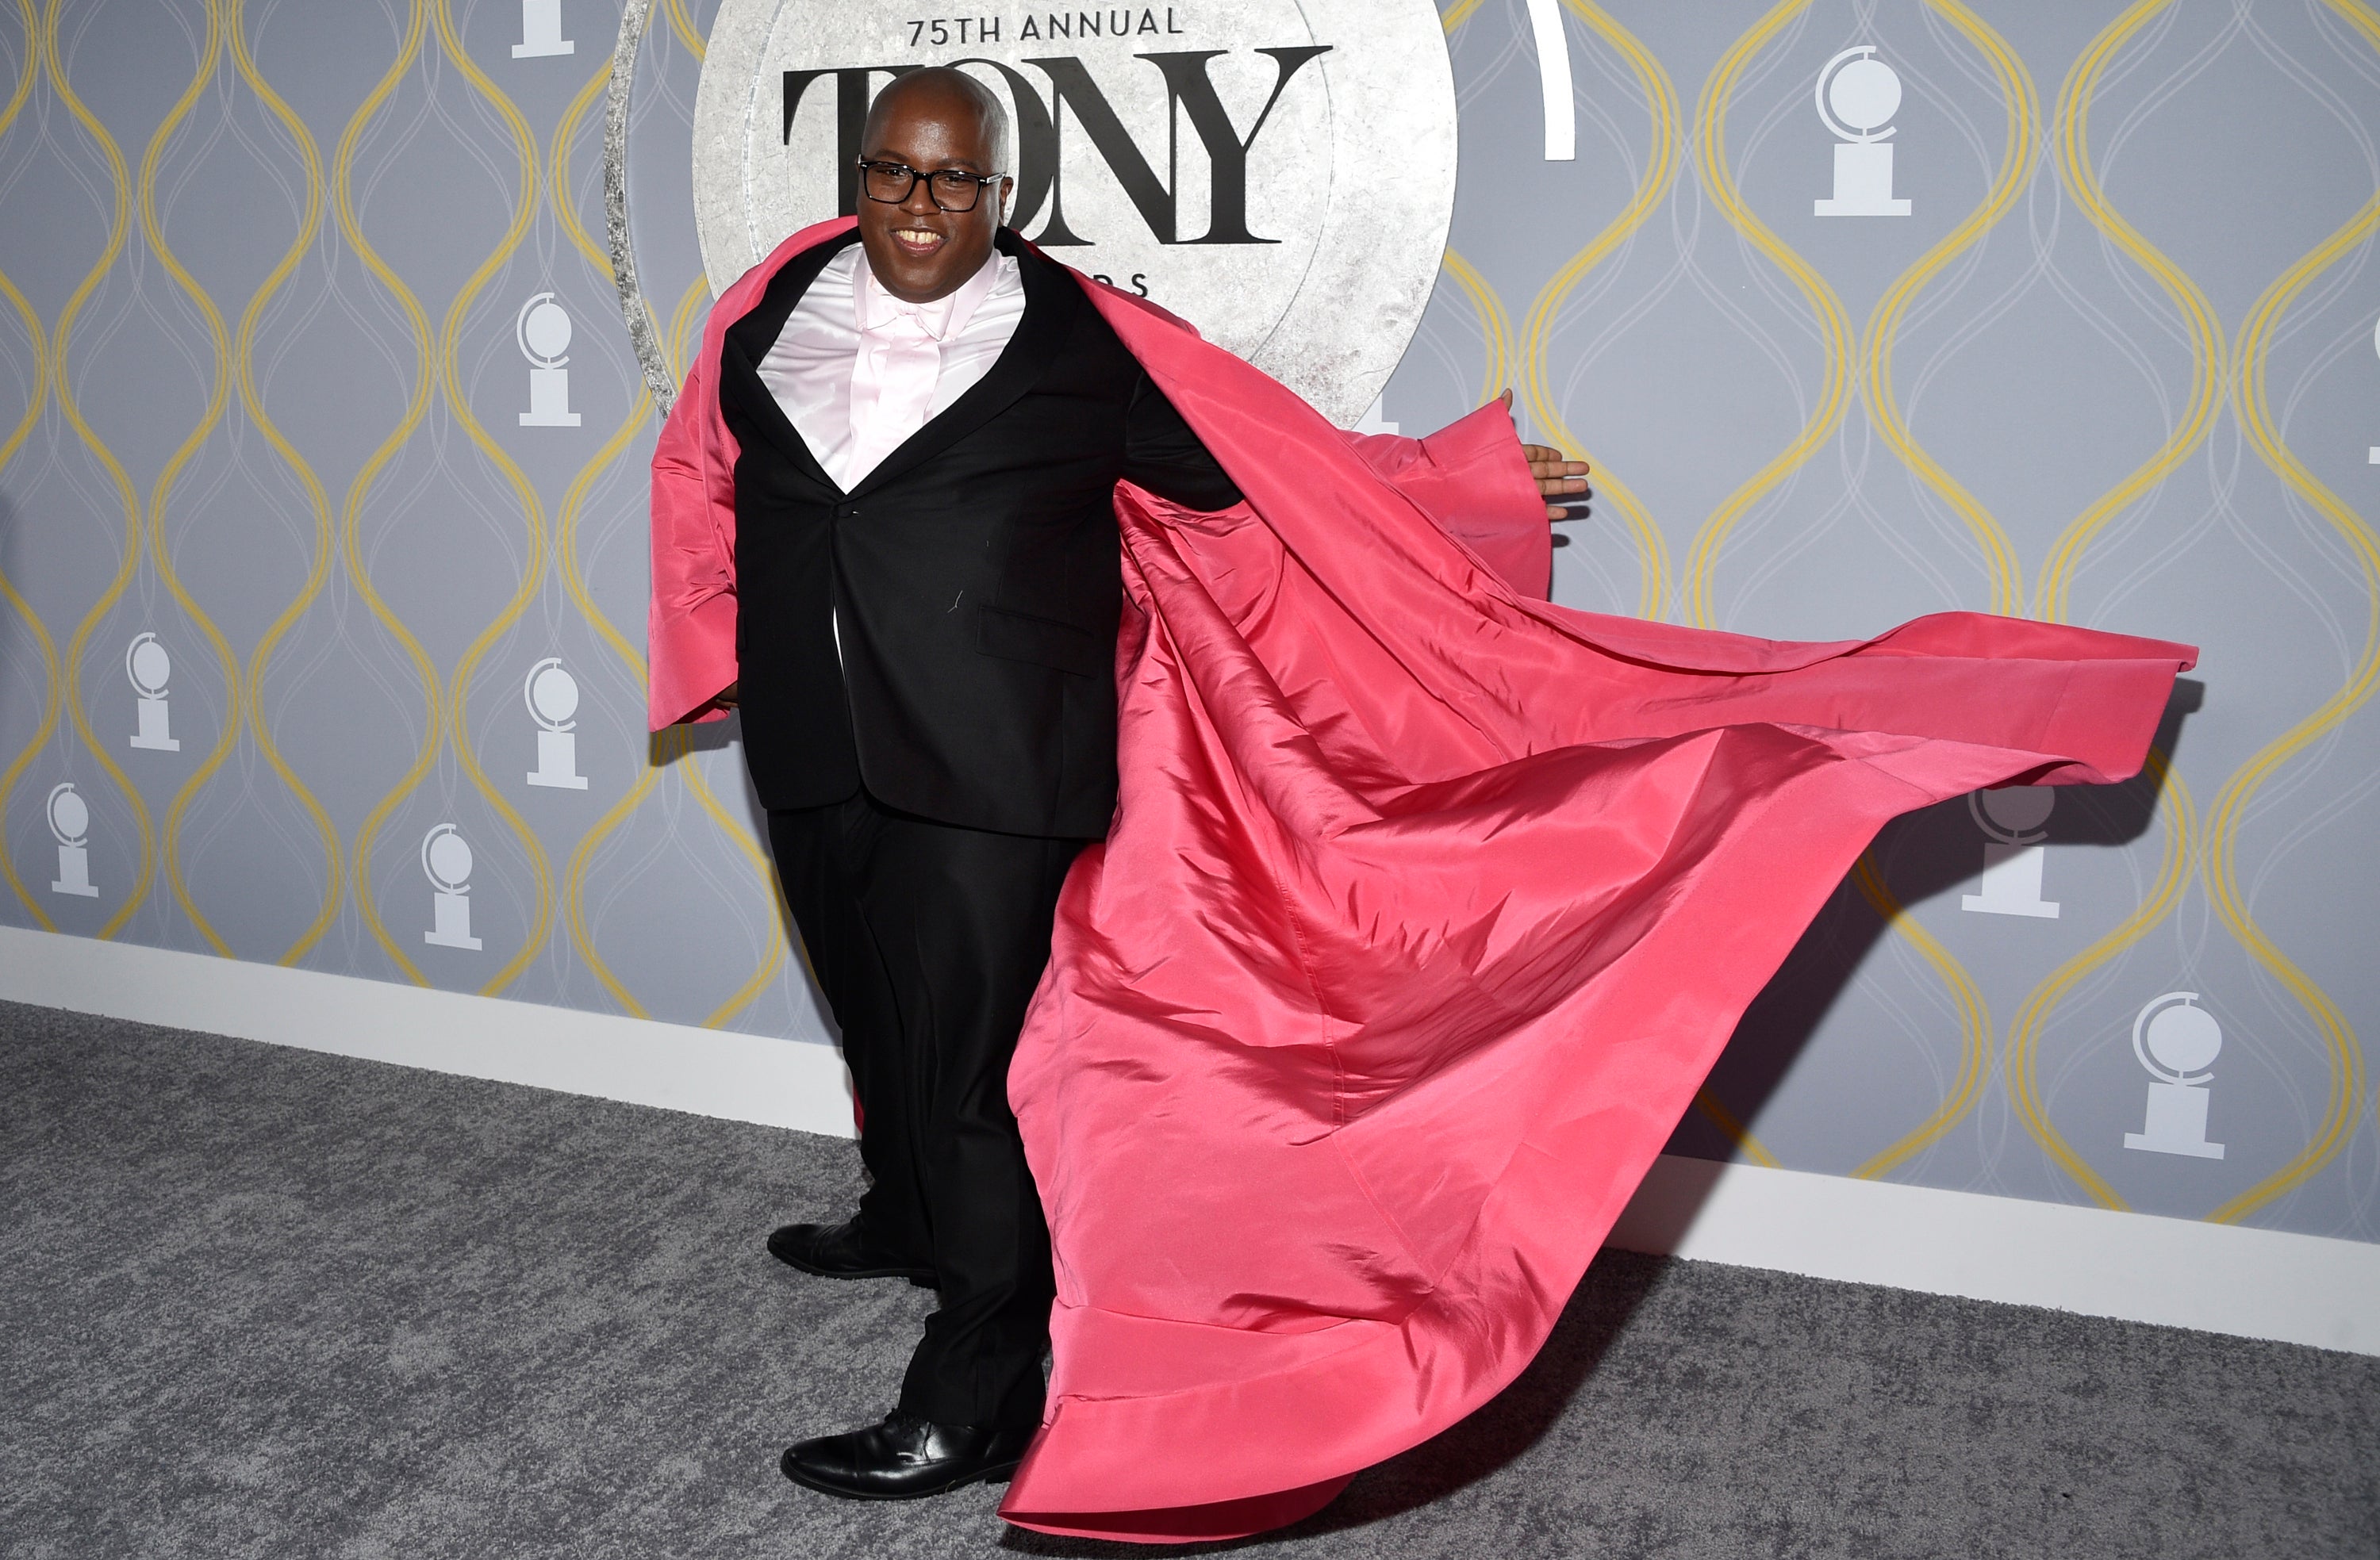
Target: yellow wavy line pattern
{"points": [[1880, 339], [1834, 390], [1495, 325], [458, 407], [566, 208], [2225, 819], [36, 338], [2198, 315], [318, 567], [1538, 328], [351, 510], [1884, 325], [2222, 372], [428, 25], [2180, 843], [62, 382], [690, 37], [2212, 373], [1719, 182], [670, 748], [2213, 846], [161, 556], [1536, 393], [1974, 1025]]}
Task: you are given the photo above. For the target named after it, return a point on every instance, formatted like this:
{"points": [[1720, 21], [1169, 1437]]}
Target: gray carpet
{"points": [[256, 1301]]}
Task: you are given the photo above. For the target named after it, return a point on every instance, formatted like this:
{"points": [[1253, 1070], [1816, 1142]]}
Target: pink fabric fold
{"points": [[1426, 907]]}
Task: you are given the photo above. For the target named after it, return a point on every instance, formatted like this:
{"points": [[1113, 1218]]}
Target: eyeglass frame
{"points": [[868, 165]]}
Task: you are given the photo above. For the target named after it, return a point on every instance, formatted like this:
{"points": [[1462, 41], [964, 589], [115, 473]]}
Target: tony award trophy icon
{"points": [[552, 696], [543, 331], [1857, 93], [2013, 860], [541, 31], [146, 662], [70, 826], [2175, 1042], [448, 862]]}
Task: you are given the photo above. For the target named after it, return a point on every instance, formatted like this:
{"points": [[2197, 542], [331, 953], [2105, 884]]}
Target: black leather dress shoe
{"points": [[840, 1251], [905, 1458]]}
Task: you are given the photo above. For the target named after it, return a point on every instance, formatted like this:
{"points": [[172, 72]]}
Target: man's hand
{"points": [[1556, 476], [725, 697]]}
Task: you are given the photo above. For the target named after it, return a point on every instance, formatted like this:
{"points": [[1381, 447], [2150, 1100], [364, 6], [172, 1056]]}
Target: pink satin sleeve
{"points": [[690, 618], [1472, 479], [690, 615], [1428, 906]]}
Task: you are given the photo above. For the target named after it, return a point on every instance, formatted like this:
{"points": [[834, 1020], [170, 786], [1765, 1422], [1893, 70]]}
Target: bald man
{"points": [[930, 421]]}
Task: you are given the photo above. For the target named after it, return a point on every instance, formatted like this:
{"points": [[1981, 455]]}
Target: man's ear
{"points": [[1007, 188]]}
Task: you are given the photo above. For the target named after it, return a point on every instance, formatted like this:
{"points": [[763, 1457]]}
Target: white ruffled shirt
{"points": [[857, 370]]}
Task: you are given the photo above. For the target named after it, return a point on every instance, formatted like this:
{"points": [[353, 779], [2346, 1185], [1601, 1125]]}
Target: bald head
{"points": [[951, 132], [949, 91]]}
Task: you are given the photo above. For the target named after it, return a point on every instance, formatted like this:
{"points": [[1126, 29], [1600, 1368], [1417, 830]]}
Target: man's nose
{"points": [[920, 200]]}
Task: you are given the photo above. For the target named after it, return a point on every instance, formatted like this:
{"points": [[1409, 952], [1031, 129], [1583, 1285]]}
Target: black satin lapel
{"points": [[1053, 303], [748, 340], [741, 379], [759, 330]]}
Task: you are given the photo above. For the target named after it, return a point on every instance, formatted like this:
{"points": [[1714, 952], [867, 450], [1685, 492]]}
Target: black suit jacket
{"points": [[975, 575]]}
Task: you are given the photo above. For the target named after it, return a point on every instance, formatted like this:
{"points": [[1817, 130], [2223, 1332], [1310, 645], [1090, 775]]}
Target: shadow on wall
{"points": [[1925, 855]]}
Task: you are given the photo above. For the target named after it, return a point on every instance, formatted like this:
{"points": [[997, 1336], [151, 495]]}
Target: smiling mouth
{"points": [[919, 241]]}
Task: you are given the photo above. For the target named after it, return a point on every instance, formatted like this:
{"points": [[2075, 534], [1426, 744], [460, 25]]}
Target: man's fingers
{"points": [[1546, 461], [1556, 476]]}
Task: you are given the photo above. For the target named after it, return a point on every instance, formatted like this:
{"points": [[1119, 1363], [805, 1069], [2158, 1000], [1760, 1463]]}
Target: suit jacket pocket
{"points": [[1043, 642]]}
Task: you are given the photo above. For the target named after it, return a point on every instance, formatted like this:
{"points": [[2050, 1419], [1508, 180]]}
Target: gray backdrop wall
{"points": [[269, 278]]}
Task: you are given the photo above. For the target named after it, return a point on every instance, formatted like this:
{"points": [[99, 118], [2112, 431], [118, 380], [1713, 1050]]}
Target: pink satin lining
{"points": [[1426, 907]]}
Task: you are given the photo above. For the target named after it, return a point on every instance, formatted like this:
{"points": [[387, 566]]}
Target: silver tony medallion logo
{"points": [[1281, 173]]}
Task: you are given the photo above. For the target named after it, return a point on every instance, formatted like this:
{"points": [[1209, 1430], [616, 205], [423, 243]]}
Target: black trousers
{"points": [[927, 940]]}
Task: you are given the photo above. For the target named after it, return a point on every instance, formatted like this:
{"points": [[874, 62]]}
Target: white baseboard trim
{"points": [[2137, 1267], [2181, 1273], [758, 1077]]}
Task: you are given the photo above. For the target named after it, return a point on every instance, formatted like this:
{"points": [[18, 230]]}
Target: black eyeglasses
{"points": [[952, 190]]}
